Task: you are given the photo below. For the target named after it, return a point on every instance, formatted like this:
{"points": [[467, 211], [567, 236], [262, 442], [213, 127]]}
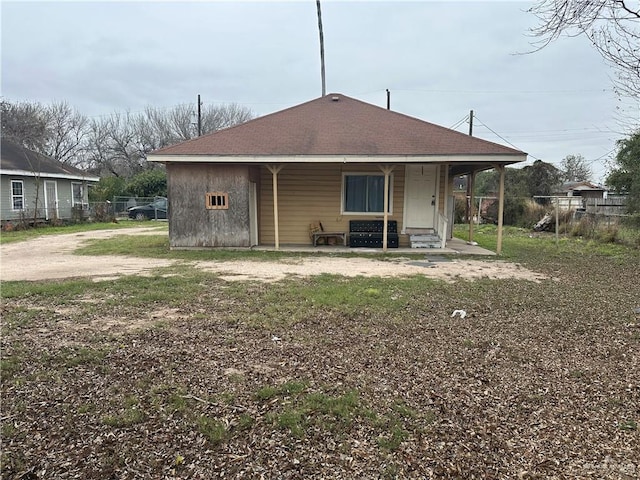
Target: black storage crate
{"points": [[369, 233]]}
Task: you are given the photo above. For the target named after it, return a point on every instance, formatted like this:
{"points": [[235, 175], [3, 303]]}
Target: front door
{"points": [[420, 196], [50, 200]]}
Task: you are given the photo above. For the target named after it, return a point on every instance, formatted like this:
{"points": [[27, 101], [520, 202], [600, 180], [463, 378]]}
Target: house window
{"points": [[17, 194], [217, 201], [78, 193], [364, 193]]}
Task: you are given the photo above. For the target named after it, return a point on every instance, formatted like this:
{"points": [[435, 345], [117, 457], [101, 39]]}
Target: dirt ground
{"points": [[197, 377], [51, 257]]}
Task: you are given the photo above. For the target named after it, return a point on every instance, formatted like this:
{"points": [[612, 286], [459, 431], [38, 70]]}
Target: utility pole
{"points": [[324, 84], [470, 180], [199, 116], [388, 99]]}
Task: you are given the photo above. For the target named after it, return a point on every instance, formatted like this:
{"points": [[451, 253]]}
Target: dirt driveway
{"points": [[51, 257]]}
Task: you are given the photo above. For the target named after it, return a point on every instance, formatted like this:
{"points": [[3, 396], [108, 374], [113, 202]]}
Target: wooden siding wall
{"points": [[190, 223], [310, 193]]}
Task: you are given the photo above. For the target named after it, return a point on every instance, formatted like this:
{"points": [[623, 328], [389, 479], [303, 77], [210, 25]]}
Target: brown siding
{"points": [[190, 223], [309, 193]]}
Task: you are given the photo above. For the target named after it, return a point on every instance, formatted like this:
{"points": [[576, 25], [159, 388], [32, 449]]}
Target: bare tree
{"points": [[118, 145], [56, 130], [66, 131], [25, 123], [612, 26], [575, 169]]}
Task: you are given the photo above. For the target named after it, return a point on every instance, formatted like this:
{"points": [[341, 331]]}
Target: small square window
{"points": [[217, 201]]}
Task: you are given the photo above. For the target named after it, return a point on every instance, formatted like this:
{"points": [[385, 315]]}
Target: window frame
{"points": [[343, 193], [15, 197], [73, 197], [217, 201]]}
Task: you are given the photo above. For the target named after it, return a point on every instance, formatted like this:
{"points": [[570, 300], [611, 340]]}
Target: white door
{"points": [[420, 196], [253, 213], [50, 200]]}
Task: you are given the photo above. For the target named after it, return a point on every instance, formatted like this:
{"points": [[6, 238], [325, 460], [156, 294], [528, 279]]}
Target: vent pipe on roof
{"points": [[335, 98], [388, 99]]}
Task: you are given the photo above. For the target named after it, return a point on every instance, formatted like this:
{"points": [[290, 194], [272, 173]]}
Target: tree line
{"points": [[114, 145]]}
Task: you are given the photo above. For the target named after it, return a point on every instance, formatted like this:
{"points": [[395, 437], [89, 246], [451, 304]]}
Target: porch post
{"points": [[385, 229], [500, 169], [471, 179], [275, 169]]}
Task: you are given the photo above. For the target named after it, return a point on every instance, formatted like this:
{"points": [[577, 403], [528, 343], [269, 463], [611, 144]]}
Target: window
{"points": [[17, 194], [364, 193], [78, 193], [217, 201]]}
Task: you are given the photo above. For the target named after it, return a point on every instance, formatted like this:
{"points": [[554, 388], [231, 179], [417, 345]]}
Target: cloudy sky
{"points": [[439, 60]]}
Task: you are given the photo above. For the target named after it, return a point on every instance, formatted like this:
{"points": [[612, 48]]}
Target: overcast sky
{"points": [[439, 60]]}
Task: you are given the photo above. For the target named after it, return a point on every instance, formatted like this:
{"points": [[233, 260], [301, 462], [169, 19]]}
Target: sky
{"points": [[438, 59]]}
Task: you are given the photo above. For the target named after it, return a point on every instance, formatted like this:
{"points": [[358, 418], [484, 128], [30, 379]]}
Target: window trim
{"points": [[365, 174], [217, 201], [14, 197]]}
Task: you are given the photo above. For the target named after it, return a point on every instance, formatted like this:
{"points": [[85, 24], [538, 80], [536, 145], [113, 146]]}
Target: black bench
{"points": [[369, 233]]}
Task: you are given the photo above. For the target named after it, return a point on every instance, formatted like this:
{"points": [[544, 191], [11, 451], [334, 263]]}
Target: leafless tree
{"points": [[66, 131], [575, 169], [118, 144], [55, 130], [612, 26], [24, 123]]}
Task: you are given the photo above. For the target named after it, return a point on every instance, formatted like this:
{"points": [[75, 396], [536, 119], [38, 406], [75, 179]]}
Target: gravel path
{"points": [[51, 257]]}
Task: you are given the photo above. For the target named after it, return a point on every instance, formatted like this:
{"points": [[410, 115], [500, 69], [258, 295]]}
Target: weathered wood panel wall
{"points": [[308, 193], [191, 224]]}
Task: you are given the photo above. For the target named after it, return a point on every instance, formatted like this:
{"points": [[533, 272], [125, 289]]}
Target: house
{"points": [[330, 160], [37, 187], [576, 195]]}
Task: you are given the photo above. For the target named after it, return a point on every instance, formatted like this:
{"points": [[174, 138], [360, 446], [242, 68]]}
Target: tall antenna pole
{"points": [[388, 99], [199, 116], [324, 84]]}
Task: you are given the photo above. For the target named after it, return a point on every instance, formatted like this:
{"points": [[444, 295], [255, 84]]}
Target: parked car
{"points": [[155, 210]]}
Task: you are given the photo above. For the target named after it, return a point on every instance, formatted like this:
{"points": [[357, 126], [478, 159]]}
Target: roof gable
{"points": [[337, 125], [16, 158]]}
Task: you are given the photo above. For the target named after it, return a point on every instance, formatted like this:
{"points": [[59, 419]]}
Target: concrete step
{"points": [[425, 241]]}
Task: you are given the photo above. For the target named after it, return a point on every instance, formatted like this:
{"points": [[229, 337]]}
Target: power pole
{"points": [[199, 116], [470, 179], [324, 84]]}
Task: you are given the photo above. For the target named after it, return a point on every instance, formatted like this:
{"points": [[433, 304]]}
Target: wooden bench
{"points": [[369, 233], [327, 235]]}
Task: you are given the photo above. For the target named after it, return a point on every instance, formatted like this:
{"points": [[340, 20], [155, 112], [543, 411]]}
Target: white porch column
{"points": [[275, 169], [471, 178], [386, 169], [500, 169]]}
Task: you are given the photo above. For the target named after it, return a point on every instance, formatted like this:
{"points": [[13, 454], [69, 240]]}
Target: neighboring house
{"points": [[327, 160], [26, 175], [576, 195]]}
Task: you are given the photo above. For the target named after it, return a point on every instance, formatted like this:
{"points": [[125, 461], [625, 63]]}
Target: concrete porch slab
{"points": [[455, 246]]}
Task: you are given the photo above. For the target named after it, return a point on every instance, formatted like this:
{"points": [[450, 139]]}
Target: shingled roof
{"points": [[336, 125], [17, 160]]}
